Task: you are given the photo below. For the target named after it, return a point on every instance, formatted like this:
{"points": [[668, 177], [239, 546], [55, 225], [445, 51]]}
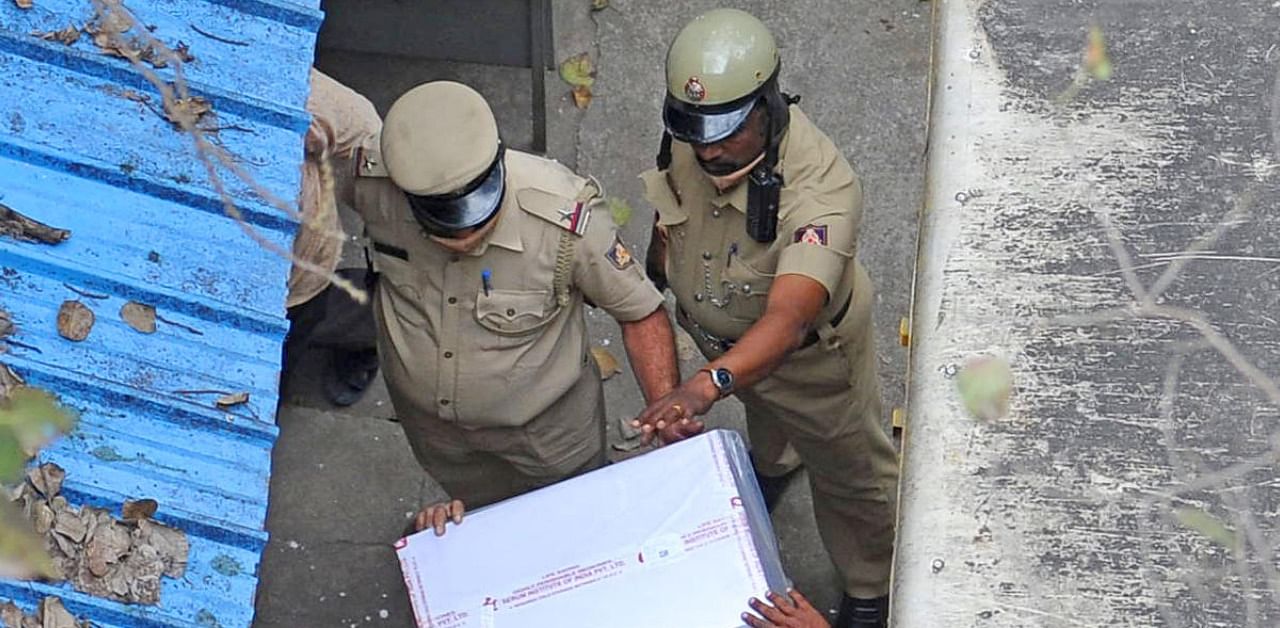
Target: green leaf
{"points": [[620, 209], [985, 384], [13, 460], [599, 5], [1208, 525], [1096, 60], [578, 70], [33, 417]]}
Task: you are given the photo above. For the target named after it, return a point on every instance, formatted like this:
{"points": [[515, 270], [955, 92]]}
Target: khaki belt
{"points": [[725, 344]]}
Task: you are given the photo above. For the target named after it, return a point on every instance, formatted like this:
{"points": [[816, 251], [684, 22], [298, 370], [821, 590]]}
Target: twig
{"points": [[1122, 255], [23, 345], [1255, 538], [1242, 207], [19, 227], [205, 148], [1219, 343], [203, 391], [224, 40], [1240, 560], [179, 325], [85, 294], [230, 127]]}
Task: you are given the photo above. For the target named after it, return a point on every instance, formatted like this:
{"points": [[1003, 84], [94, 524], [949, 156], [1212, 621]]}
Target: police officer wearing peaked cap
{"points": [[756, 229], [484, 256]]}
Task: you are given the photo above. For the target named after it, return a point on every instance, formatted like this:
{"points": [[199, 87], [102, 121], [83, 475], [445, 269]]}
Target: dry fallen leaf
{"points": [[171, 544], [47, 478], [140, 509], [75, 320], [54, 615], [183, 52], [233, 399], [11, 615], [109, 544], [43, 518], [6, 326], [186, 113], [68, 524], [67, 36], [140, 316], [605, 360], [599, 5], [581, 96], [9, 381]]}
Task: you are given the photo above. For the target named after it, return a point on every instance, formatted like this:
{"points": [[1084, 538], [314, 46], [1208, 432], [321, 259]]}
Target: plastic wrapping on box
{"points": [[677, 537]]}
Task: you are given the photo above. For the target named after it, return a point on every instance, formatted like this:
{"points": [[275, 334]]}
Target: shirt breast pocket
{"points": [[514, 317], [748, 283], [402, 285]]}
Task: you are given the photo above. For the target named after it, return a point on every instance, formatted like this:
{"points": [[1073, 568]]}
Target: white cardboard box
{"points": [[676, 538]]}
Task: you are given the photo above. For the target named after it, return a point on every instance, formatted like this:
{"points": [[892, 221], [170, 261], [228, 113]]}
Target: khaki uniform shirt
{"points": [[341, 120], [719, 274], [495, 355]]}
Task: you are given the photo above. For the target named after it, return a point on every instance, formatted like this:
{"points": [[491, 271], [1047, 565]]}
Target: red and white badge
{"points": [[811, 234]]}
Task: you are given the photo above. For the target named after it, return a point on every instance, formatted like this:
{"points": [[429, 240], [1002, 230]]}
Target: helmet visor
{"points": [[707, 124], [472, 206]]}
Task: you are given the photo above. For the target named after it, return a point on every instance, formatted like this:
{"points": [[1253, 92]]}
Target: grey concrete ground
{"points": [[345, 480]]}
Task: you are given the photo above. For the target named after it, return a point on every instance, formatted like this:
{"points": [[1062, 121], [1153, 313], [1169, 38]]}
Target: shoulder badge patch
{"points": [[811, 234], [618, 255]]}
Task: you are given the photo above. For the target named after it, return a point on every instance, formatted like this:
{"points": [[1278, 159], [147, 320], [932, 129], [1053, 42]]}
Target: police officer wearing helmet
{"points": [[756, 229], [484, 256]]}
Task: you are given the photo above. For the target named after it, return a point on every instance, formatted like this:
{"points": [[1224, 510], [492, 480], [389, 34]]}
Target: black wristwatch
{"points": [[722, 379]]}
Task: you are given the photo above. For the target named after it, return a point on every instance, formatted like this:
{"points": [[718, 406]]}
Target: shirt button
{"points": [[444, 402], [511, 312], [448, 354], [453, 300], [746, 288], [706, 255], [715, 213], [698, 297]]}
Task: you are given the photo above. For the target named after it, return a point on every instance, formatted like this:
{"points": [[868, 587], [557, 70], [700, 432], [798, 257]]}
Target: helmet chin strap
{"points": [[724, 182]]}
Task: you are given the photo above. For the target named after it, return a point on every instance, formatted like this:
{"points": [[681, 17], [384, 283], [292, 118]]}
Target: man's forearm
{"points": [[763, 348], [651, 348]]}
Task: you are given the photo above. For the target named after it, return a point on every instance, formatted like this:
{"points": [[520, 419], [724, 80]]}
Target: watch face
{"points": [[724, 379]]}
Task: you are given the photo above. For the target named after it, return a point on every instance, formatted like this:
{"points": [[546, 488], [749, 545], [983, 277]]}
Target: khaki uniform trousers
{"points": [[487, 465], [822, 408]]}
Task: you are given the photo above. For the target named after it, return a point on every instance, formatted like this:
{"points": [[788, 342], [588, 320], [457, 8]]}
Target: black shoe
{"points": [[772, 488], [349, 376], [861, 613]]}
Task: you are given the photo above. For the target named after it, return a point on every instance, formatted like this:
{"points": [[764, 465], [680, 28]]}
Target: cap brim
{"points": [[705, 125], [469, 210]]}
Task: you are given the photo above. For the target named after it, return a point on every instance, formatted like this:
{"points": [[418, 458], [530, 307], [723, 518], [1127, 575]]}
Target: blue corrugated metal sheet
{"points": [[146, 226]]}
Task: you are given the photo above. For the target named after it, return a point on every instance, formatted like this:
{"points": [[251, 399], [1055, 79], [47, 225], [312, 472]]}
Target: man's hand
{"points": [[784, 614], [437, 515], [673, 416]]}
